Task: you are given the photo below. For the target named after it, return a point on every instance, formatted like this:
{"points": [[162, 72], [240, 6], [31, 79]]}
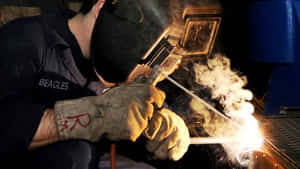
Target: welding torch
{"points": [[158, 73], [163, 59]]}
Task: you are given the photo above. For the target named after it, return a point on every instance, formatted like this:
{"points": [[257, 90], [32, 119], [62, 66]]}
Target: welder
{"points": [[62, 87]]}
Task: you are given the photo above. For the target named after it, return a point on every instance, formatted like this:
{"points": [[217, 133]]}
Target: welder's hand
{"points": [[120, 113], [168, 135]]}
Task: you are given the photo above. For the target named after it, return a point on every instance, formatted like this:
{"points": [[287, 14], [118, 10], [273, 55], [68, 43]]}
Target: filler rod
{"points": [[196, 97], [209, 140]]}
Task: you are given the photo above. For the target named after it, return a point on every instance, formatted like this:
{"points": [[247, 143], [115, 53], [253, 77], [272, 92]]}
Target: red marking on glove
{"points": [[78, 120], [64, 123]]}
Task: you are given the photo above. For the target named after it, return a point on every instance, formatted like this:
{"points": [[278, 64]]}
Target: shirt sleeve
{"points": [[19, 62]]}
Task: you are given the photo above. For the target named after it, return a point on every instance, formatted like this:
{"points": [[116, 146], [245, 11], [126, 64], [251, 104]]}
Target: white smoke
{"points": [[227, 86]]}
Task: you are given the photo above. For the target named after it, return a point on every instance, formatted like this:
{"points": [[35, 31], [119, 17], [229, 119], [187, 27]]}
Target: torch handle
{"points": [[154, 75]]}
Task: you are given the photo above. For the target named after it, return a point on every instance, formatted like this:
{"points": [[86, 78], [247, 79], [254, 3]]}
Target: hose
{"points": [[113, 156]]}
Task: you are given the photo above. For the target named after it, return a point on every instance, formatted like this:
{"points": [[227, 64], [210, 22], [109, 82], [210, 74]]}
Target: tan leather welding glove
{"points": [[168, 135], [120, 113]]}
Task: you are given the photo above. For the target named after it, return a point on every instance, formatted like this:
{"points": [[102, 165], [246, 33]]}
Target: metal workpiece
{"points": [[283, 141]]}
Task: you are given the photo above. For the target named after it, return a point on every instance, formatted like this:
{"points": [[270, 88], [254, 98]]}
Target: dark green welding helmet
{"points": [[124, 31]]}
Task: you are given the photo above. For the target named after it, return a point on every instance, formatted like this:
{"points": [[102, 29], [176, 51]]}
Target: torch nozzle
{"points": [[154, 75]]}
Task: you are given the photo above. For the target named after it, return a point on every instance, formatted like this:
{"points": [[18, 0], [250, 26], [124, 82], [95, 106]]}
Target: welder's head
{"points": [[123, 32]]}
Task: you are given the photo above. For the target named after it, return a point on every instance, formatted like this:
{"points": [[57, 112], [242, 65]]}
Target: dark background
{"points": [[233, 37]]}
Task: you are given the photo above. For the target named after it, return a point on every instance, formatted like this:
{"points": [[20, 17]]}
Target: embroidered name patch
{"points": [[54, 84]]}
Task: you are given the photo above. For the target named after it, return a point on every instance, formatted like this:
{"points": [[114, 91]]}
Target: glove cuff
{"points": [[78, 119], [59, 118]]}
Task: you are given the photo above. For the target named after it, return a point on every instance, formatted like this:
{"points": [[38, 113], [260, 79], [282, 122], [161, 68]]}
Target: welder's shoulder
{"points": [[25, 31]]}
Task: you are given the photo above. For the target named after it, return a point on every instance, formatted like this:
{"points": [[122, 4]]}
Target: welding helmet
{"points": [[123, 33]]}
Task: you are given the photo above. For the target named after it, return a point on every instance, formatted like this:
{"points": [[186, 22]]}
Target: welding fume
{"points": [[235, 128]]}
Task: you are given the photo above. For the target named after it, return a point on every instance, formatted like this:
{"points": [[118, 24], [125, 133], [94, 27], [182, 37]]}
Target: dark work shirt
{"points": [[37, 68], [84, 65]]}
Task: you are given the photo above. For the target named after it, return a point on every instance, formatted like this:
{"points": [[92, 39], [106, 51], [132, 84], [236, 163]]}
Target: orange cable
{"points": [[113, 156]]}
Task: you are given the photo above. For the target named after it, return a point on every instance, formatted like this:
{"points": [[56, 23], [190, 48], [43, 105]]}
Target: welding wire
{"points": [[209, 140], [195, 96]]}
